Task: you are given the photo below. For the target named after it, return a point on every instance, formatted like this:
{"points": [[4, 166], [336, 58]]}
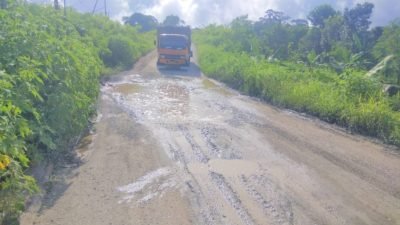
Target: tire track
{"points": [[231, 197], [278, 208], [199, 155]]}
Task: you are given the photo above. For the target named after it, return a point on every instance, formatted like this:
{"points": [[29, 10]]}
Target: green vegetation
{"points": [[320, 70], [148, 23], [49, 81], [173, 20]]}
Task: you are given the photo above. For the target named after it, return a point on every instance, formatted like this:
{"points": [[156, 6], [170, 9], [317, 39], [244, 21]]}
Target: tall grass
{"points": [[347, 99]]}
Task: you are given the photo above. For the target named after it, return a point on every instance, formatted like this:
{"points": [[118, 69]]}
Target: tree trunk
{"points": [[3, 4], [56, 5]]}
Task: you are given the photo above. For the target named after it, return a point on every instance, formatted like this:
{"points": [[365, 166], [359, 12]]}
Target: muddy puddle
{"points": [[168, 99], [209, 84], [128, 88], [84, 145]]}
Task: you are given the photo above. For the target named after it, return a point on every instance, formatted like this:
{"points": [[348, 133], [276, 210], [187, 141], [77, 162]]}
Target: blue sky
{"points": [[203, 12]]}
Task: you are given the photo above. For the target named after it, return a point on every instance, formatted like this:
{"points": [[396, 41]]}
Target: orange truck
{"points": [[174, 45]]}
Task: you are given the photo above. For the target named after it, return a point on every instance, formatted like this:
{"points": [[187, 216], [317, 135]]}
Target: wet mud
{"points": [[174, 147]]}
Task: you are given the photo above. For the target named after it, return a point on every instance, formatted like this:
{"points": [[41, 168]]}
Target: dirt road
{"points": [[173, 147]]}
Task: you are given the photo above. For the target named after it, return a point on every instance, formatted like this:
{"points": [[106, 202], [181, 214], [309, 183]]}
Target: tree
{"points": [[299, 22], [373, 36], [333, 32], [243, 33], [296, 32], [311, 42], [357, 21], [3, 4], [318, 15], [358, 18], [173, 20], [388, 44], [56, 4], [272, 16], [146, 22], [268, 21]]}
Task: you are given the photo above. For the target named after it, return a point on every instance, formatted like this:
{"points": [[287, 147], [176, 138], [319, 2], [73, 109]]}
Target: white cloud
{"points": [[203, 12]]}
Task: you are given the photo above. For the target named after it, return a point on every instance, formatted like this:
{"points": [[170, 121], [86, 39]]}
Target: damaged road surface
{"points": [[173, 147]]}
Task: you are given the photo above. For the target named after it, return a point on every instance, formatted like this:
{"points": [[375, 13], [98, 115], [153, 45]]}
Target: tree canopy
{"points": [[272, 16], [358, 18], [321, 13], [146, 22], [173, 20], [337, 39], [338, 69]]}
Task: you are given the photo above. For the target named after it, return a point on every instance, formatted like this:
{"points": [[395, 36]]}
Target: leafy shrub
{"points": [[49, 72], [395, 102], [121, 53], [388, 45], [358, 86]]}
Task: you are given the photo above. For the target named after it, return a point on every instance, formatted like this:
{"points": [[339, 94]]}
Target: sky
{"points": [[200, 13]]}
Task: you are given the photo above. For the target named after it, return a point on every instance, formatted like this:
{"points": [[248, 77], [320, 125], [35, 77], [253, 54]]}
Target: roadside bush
{"points": [[347, 99], [119, 46], [121, 52], [374, 118], [395, 102], [358, 86], [49, 83]]}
